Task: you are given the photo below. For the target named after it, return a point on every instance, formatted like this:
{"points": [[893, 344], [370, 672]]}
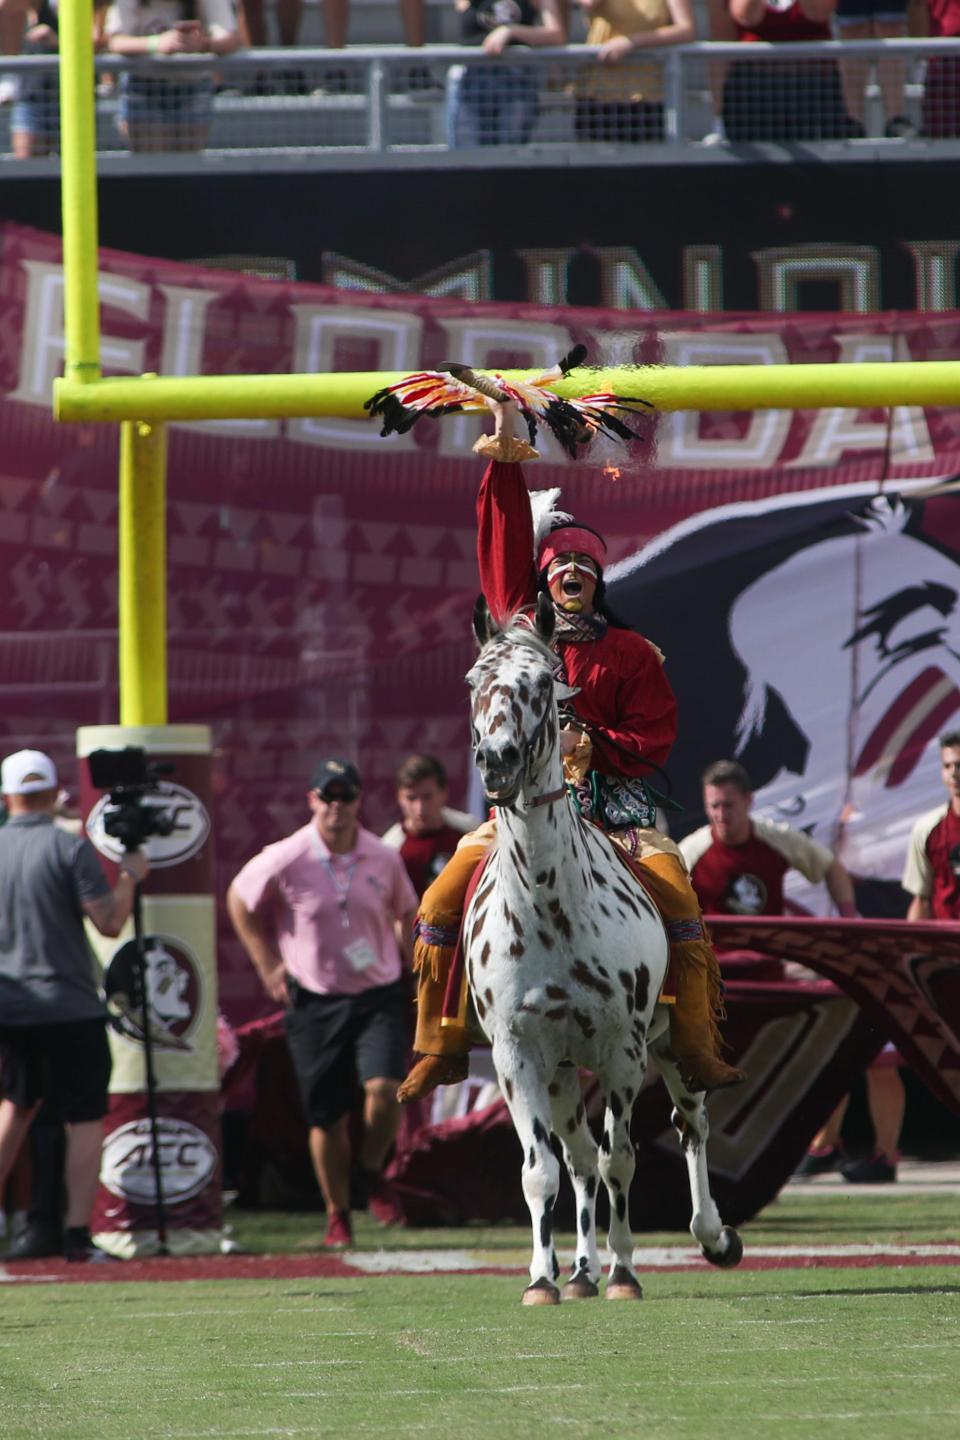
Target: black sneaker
{"points": [[34, 1242], [900, 127], [79, 1249], [819, 1163], [875, 1170]]}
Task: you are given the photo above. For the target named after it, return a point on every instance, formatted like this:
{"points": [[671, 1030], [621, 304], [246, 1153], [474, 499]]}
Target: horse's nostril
{"points": [[510, 755]]}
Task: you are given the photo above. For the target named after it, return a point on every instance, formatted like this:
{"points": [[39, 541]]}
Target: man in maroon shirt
{"points": [[429, 832], [737, 864], [932, 871]]}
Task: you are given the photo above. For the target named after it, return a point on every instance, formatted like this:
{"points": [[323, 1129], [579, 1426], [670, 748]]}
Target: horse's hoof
{"points": [[541, 1292], [623, 1285], [726, 1259], [580, 1287]]}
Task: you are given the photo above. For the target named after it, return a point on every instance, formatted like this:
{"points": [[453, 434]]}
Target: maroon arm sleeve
{"points": [[645, 723], [508, 575]]}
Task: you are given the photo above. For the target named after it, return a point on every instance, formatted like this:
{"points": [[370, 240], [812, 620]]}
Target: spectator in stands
{"points": [[13, 21], [35, 121], [875, 20], [336, 16], [620, 100], [491, 103], [429, 831], [169, 109], [779, 100], [941, 96], [326, 916], [737, 863], [53, 1042]]}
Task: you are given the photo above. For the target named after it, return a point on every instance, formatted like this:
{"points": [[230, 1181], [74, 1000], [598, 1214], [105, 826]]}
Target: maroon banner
{"points": [[904, 976], [321, 579]]}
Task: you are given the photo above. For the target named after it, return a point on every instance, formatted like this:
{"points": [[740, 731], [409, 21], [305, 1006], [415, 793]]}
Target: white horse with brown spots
{"points": [[565, 956]]}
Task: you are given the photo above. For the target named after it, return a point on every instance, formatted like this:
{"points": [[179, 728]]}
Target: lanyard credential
{"points": [[341, 883]]}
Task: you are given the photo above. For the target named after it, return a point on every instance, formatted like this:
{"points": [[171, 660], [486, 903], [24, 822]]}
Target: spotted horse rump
{"points": [[565, 968]]}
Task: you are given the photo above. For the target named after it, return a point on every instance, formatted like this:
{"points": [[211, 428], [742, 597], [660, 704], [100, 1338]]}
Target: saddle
{"points": [[456, 1008]]}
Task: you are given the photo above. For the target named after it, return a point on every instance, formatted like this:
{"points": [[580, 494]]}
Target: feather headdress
{"points": [[546, 516], [457, 388]]}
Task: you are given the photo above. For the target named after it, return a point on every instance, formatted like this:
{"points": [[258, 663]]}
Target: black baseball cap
{"points": [[340, 773]]}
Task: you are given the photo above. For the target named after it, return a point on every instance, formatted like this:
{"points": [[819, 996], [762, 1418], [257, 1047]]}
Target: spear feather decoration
{"points": [[457, 388]]}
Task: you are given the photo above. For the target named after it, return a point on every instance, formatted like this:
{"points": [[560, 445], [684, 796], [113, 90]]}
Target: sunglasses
{"points": [[346, 794]]}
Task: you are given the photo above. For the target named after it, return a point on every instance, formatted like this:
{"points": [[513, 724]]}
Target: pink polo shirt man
{"points": [[333, 915]]}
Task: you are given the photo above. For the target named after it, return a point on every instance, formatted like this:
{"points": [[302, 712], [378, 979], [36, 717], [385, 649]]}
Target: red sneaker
{"points": [[382, 1202], [339, 1234]]}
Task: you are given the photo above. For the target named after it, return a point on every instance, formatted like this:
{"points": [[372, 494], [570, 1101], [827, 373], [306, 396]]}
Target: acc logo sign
{"points": [[191, 826], [188, 1161]]}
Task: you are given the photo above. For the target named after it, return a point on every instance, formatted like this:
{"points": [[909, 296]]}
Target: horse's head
{"points": [[513, 707]]}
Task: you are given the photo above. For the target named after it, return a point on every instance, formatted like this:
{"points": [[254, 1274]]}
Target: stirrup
{"points": [[431, 1071]]}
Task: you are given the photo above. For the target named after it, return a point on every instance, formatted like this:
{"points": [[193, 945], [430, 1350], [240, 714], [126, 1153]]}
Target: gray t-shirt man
{"points": [[47, 973]]}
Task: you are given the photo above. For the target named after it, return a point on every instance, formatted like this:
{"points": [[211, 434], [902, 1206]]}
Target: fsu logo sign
{"points": [[188, 1161], [173, 992], [188, 833], [815, 637]]}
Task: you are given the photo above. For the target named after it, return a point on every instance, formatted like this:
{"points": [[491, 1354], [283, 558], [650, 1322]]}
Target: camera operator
{"points": [[53, 1042]]}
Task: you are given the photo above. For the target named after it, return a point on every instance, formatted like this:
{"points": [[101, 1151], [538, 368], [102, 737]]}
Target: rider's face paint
{"points": [[572, 582]]}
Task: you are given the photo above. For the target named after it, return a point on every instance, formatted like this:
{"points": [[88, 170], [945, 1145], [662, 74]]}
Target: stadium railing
{"points": [[454, 105]]}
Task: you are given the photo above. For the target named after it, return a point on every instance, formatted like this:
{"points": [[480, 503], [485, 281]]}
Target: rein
{"points": [[559, 794]]}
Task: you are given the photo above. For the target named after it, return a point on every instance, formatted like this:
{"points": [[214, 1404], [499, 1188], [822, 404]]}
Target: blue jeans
{"points": [[491, 104]]}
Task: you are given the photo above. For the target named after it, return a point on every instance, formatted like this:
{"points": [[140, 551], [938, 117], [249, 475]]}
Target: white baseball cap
{"points": [[27, 771]]}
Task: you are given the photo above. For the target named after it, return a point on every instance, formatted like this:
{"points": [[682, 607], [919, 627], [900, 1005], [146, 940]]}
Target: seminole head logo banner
{"points": [[815, 637]]}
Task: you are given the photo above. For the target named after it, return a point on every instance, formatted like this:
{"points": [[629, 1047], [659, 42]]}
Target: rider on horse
{"points": [[622, 726]]}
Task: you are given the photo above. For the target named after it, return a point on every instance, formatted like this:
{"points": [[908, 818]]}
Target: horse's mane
{"points": [[519, 631]]}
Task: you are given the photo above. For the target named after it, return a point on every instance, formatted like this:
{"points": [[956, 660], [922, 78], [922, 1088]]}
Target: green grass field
{"points": [[707, 1356]]}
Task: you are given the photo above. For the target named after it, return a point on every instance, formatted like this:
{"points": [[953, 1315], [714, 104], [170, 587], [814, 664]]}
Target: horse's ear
{"points": [[484, 625], [546, 617]]}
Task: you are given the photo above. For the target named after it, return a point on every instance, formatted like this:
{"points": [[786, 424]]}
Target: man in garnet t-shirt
{"points": [[429, 831], [932, 871], [737, 862]]}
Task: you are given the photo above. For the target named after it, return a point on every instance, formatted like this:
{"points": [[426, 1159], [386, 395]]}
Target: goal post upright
{"points": [[141, 563], [78, 193]]}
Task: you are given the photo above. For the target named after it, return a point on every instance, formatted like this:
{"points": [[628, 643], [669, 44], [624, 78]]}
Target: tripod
{"points": [[151, 1077]]}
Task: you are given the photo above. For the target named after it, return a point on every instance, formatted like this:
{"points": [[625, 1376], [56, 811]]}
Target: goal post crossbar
{"points": [[691, 387]]}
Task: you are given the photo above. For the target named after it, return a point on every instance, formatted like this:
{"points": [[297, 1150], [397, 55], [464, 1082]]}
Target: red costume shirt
{"points": [[624, 696], [747, 879], [933, 862]]}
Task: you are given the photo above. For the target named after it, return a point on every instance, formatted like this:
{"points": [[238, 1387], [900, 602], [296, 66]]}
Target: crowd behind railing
{"points": [[182, 75]]}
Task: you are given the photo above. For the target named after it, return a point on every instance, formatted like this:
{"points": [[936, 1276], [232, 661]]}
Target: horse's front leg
{"points": [[620, 1085], [720, 1243], [580, 1155], [525, 1091]]}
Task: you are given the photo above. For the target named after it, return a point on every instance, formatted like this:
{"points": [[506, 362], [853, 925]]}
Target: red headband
{"points": [[571, 540]]}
